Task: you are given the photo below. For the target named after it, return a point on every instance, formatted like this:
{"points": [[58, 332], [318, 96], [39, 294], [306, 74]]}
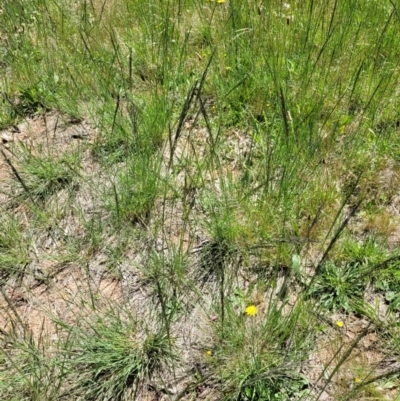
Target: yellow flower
{"points": [[357, 380], [220, 1], [251, 310], [209, 353], [339, 323]]}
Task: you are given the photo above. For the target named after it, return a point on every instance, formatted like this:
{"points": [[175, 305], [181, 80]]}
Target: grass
{"points": [[41, 176], [13, 245], [205, 156], [112, 356]]}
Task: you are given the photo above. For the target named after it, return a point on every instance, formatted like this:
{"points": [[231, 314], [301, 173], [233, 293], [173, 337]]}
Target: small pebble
{"points": [[5, 138]]}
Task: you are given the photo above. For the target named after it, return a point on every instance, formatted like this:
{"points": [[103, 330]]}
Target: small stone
{"points": [[5, 138]]}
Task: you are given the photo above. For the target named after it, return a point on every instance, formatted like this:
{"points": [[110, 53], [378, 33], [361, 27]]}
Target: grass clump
{"points": [[250, 353], [135, 190], [40, 176], [28, 370], [113, 358], [14, 246]]}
